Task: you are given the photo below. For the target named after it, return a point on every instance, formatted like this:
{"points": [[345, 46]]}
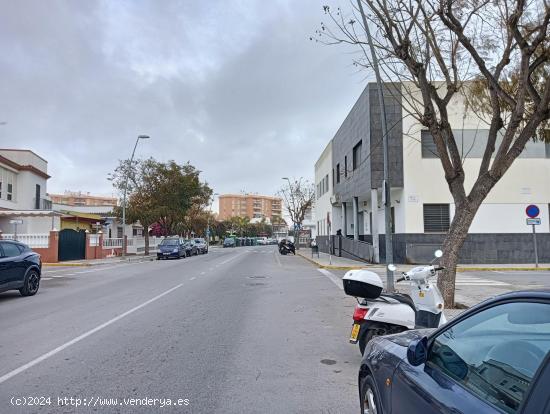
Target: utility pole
{"points": [[124, 196], [386, 197]]}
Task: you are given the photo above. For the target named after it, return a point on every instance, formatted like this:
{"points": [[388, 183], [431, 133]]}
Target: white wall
{"points": [[323, 167], [526, 182]]}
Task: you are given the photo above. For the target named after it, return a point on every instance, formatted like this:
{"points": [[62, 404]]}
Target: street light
{"points": [[124, 195], [208, 222]]}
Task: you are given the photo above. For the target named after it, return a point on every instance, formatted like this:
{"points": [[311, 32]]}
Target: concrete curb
{"points": [[320, 266], [502, 269], [98, 263], [61, 264]]}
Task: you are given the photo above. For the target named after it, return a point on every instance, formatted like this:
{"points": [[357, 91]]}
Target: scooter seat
{"points": [[402, 298]]}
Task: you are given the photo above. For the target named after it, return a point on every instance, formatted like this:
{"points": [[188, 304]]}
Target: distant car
{"points": [[229, 242], [262, 241], [202, 246], [191, 248], [20, 268], [493, 358], [171, 247]]}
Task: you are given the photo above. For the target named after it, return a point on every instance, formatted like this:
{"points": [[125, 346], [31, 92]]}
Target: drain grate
{"points": [[257, 277], [255, 284]]}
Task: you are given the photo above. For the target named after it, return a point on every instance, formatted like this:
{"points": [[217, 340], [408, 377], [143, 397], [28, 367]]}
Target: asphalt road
{"points": [[241, 330]]}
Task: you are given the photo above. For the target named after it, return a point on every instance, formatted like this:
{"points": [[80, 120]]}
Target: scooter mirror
{"points": [[438, 253], [392, 267]]}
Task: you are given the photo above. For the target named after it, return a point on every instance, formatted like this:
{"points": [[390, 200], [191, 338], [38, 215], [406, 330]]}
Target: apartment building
{"points": [[422, 206], [78, 198], [249, 205]]}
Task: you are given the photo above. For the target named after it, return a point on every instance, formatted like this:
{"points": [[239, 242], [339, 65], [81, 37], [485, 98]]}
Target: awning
{"points": [[29, 213]]}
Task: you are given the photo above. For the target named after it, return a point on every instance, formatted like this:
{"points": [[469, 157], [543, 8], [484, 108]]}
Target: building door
{"points": [[72, 245]]}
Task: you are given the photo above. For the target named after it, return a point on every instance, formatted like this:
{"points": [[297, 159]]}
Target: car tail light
{"points": [[360, 313]]}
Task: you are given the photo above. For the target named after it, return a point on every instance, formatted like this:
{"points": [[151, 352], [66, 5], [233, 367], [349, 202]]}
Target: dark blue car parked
{"points": [[171, 247], [20, 268], [493, 358]]}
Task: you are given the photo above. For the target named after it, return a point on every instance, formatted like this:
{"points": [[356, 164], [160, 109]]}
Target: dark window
{"points": [[10, 192], [326, 183], [495, 353], [119, 232], [429, 150], [346, 166], [332, 180], [393, 219], [436, 218], [357, 155], [337, 173], [547, 146], [37, 197], [10, 249]]}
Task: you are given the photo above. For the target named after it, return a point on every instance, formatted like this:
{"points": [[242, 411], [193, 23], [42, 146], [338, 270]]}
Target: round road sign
{"points": [[532, 211]]}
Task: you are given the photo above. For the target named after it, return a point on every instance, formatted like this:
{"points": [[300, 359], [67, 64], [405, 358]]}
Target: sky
{"points": [[236, 88]]}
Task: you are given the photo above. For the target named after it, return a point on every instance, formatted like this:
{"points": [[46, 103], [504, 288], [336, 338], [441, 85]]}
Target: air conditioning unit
{"points": [[335, 199]]}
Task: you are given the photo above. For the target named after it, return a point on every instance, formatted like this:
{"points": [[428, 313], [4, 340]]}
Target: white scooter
{"points": [[387, 313]]}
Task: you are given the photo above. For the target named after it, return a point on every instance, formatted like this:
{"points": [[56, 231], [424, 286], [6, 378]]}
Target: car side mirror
{"points": [[417, 352]]}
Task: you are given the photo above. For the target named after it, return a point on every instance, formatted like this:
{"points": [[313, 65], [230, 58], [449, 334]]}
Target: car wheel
{"points": [[364, 338], [31, 283], [369, 397]]}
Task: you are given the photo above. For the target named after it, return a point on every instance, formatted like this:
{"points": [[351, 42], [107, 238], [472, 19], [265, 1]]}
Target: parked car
{"points": [[20, 268], [191, 248], [202, 246], [493, 358], [229, 242], [171, 247]]}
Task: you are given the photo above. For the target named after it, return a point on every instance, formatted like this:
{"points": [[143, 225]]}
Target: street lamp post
{"points": [[208, 222], [124, 195]]}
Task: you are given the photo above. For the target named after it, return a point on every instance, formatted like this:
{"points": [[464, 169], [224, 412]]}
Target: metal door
{"points": [[72, 245]]}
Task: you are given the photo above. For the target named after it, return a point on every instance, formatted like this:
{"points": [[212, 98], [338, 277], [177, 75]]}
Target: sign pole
{"points": [[536, 250]]}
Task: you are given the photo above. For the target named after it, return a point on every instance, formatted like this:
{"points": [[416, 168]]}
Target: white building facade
{"points": [[422, 205]]}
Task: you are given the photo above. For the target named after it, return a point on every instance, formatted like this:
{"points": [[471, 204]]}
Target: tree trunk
{"points": [[451, 248], [146, 253]]}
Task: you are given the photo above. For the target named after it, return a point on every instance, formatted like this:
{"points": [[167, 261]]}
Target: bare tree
{"points": [[493, 54], [298, 196]]}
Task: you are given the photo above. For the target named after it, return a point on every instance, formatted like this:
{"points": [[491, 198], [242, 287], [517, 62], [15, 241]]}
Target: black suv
{"points": [[20, 268]]}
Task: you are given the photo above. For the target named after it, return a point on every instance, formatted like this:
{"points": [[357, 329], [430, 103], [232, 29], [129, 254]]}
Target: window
{"points": [[10, 192], [337, 173], [436, 218], [119, 232], [37, 197], [357, 155], [346, 166], [471, 143], [496, 352], [332, 180], [10, 249], [326, 183]]}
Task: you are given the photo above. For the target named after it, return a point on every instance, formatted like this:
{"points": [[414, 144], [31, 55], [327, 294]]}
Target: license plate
{"points": [[354, 333], [166, 254]]}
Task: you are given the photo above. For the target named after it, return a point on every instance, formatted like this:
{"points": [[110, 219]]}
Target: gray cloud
{"points": [[236, 88]]}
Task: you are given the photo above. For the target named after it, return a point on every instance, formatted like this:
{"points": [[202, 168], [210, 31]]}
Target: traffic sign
{"points": [[533, 221], [532, 211]]}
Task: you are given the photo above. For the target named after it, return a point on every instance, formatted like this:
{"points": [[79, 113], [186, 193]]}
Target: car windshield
{"points": [[199, 240], [169, 242]]}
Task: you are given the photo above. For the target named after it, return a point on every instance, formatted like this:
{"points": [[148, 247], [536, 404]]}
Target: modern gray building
{"points": [[422, 206]]}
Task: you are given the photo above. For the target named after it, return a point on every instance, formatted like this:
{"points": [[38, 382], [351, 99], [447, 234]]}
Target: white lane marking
{"points": [[335, 279], [46, 278], [233, 258], [60, 348], [193, 278]]}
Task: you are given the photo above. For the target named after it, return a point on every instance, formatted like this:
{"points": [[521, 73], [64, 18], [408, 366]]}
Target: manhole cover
{"points": [[255, 284], [257, 277]]}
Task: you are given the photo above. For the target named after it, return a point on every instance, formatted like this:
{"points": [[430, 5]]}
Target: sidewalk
{"points": [[98, 262], [470, 290], [342, 263]]}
